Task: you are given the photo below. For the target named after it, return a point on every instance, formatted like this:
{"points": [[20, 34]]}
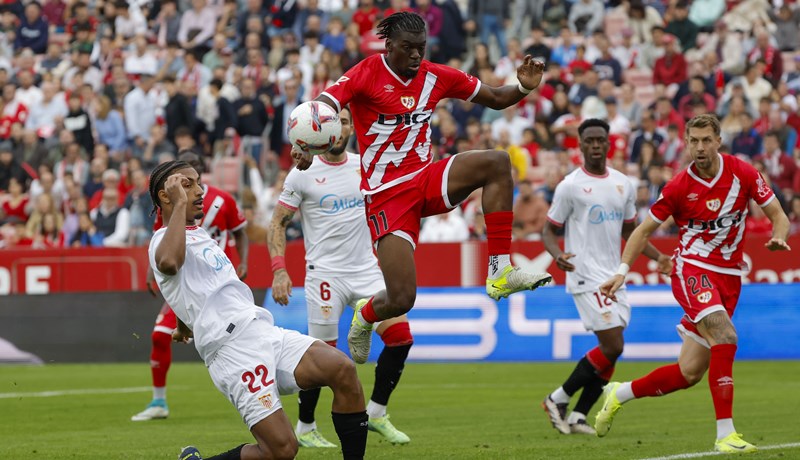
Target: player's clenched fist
{"points": [[561, 262], [281, 287], [303, 159], [174, 186], [610, 287], [530, 72]]}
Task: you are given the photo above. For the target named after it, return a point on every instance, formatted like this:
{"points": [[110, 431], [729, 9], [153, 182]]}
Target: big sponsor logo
{"points": [[334, 204], [722, 222], [407, 119], [598, 215]]}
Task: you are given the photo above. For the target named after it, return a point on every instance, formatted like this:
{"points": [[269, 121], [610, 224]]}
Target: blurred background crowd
{"points": [[95, 93]]}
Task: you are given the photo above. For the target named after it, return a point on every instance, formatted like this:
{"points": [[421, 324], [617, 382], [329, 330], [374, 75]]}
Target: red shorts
{"points": [[701, 292], [166, 321], [400, 209]]}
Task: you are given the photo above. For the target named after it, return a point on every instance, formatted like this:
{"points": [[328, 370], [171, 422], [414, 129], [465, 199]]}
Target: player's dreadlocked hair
{"points": [[159, 176], [405, 21]]}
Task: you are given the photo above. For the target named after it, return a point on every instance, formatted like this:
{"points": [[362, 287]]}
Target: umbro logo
{"points": [[722, 381], [320, 181], [389, 88], [691, 197]]}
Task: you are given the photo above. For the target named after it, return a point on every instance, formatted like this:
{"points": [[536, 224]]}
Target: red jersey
{"points": [[221, 215], [711, 213], [391, 115]]}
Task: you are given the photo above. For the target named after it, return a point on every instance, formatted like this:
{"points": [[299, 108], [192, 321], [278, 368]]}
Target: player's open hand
{"points": [[777, 244], [561, 262], [281, 287], [175, 188], [530, 72], [610, 287], [302, 158], [664, 264], [181, 336]]}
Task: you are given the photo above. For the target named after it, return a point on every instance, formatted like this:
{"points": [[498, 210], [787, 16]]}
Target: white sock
{"points": [[724, 427], [160, 393], [559, 396], [497, 264], [363, 321], [303, 428], [575, 417], [625, 392], [375, 410]]}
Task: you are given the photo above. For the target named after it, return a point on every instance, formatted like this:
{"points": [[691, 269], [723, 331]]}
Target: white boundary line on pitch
{"points": [[88, 391], [708, 454]]}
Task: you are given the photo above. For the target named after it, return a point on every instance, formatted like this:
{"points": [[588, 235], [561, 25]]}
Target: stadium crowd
{"points": [[96, 93]]}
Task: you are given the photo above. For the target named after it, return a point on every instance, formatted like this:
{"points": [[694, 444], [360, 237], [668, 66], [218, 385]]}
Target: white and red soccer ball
{"points": [[314, 127]]}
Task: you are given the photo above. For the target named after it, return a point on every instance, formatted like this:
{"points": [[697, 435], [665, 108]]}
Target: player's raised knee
{"points": [[285, 451]]}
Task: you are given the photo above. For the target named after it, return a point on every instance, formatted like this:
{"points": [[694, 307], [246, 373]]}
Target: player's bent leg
{"points": [[274, 437], [306, 430], [397, 339], [322, 365]]}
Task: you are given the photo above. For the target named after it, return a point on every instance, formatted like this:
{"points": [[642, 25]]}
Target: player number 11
{"points": [[374, 220]]}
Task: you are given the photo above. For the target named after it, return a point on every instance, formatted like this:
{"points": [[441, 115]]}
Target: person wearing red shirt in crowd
{"points": [[11, 113], [671, 67], [780, 167], [396, 6], [770, 55], [15, 202], [81, 16], [709, 202], [697, 92], [365, 16], [666, 115], [221, 217]]}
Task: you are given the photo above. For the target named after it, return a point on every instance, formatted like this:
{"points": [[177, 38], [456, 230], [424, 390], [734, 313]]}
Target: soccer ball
{"points": [[314, 127]]}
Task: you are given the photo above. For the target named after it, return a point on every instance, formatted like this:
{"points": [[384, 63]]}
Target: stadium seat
{"points": [[639, 77]]}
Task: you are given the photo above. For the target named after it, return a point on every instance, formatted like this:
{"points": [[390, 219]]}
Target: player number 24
{"points": [[704, 283], [250, 378]]}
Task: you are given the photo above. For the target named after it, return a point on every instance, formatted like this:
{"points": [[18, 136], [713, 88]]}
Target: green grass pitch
{"points": [[450, 411]]}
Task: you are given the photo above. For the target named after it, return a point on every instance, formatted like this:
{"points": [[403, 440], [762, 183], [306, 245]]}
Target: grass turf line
{"points": [[450, 411]]}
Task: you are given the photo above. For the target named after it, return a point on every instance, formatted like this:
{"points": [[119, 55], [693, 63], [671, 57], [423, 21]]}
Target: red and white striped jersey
{"points": [[711, 213], [391, 115]]}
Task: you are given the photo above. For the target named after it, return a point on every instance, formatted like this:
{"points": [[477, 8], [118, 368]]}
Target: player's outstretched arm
{"points": [[635, 245], [780, 227], [550, 241], [529, 74], [276, 241], [171, 252]]}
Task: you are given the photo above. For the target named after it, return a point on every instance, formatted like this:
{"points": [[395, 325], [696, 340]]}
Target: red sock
{"points": [[661, 381], [369, 313], [604, 367], [720, 379], [498, 232], [160, 358]]}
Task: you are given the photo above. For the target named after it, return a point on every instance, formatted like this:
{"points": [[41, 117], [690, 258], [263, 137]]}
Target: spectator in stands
{"points": [[167, 23], [769, 55], [648, 132], [141, 60], [44, 204], [552, 176], [81, 16], [670, 69], [129, 21], [366, 16], [731, 124], [489, 18], [444, 228], [727, 46], [185, 140], [787, 23], [109, 126], [279, 139], [140, 113], [83, 70], [642, 19], [787, 136], [226, 113], [585, 17], [95, 182], [139, 204], [30, 152], [14, 203], [178, 111], [252, 117], [193, 72], [794, 214], [530, 213], [78, 121], [512, 123], [111, 179], [666, 115], [697, 93], [780, 167], [48, 234], [628, 106], [747, 142], [48, 113], [433, 17], [33, 30], [682, 27], [704, 13], [111, 220], [10, 168], [87, 234], [554, 17], [607, 66]]}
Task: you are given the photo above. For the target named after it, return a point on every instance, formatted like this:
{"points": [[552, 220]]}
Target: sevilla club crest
{"points": [[714, 204], [326, 311], [408, 102]]}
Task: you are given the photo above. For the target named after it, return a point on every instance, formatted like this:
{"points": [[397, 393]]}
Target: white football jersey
{"points": [[206, 294], [331, 207], [593, 208]]}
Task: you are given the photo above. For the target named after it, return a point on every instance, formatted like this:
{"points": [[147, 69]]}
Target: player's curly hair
{"points": [[592, 122], [159, 176], [402, 21]]}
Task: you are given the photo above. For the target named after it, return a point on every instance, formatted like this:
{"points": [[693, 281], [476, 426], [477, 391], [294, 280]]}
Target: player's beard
{"points": [[340, 147]]}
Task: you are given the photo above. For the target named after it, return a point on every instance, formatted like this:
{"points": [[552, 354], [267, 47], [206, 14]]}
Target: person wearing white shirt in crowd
{"points": [[617, 122], [47, 113], [197, 25], [754, 84], [112, 220], [141, 61], [129, 21], [512, 123], [27, 93], [140, 112], [91, 74], [444, 228]]}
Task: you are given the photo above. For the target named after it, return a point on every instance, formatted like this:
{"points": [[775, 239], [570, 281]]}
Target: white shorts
{"points": [[257, 366], [600, 313], [326, 297]]}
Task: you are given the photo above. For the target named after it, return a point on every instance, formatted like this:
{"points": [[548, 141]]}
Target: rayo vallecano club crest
{"points": [[714, 204], [408, 102]]}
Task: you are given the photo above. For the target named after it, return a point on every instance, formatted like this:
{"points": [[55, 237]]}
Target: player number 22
{"points": [[250, 378], [374, 220]]}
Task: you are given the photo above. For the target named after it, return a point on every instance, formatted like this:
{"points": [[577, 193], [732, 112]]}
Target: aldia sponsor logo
{"points": [[334, 204], [598, 214]]}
